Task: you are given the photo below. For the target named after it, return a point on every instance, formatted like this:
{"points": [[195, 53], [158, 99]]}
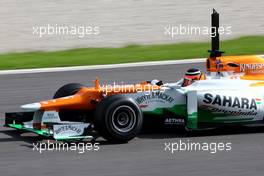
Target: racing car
{"points": [[231, 92]]}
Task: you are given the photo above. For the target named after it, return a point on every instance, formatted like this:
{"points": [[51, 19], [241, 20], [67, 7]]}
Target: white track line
{"points": [[93, 67]]}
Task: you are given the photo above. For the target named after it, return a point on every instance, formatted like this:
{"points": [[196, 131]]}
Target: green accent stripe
{"points": [[192, 121], [21, 127], [179, 110]]}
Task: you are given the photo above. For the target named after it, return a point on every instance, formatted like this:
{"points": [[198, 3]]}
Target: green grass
{"points": [[133, 53]]}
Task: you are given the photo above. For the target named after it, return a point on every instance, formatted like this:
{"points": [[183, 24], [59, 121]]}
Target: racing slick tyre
{"points": [[68, 90], [118, 119]]}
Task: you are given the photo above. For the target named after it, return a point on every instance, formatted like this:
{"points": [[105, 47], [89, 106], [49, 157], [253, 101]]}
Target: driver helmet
{"points": [[192, 75]]}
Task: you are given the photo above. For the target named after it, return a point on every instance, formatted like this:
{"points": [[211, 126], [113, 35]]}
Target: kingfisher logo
{"points": [[232, 101], [256, 66]]}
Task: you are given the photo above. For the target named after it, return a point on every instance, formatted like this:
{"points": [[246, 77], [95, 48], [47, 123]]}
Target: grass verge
{"points": [[133, 53]]}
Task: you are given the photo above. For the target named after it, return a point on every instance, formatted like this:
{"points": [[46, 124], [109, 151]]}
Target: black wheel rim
{"points": [[123, 119]]}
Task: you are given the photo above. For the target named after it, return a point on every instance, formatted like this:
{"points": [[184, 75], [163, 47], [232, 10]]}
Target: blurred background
{"points": [[121, 22]]}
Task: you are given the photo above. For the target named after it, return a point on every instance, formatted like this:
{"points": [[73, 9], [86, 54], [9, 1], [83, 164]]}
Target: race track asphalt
{"points": [[144, 155]]}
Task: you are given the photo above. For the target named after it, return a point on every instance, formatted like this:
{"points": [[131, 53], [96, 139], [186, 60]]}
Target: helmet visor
{"points": [[188, 80]]}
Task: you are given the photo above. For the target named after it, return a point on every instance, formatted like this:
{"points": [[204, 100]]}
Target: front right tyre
{"points": [[118, 118]]}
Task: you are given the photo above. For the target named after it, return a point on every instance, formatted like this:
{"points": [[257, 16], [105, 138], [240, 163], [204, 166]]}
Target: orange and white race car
{"points": [[196, 102]]}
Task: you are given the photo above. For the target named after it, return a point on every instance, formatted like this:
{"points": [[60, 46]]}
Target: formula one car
{"points": [[230, 93]]}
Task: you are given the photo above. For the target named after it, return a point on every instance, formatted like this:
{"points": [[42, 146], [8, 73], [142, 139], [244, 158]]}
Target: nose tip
{"points": [[32, 106]]}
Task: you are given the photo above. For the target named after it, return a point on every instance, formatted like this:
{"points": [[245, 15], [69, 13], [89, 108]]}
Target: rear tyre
{"points": [[118, 119], [68, 90]]}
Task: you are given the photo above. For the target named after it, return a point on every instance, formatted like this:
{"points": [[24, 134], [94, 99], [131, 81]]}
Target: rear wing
{"points": [[242, 67]]}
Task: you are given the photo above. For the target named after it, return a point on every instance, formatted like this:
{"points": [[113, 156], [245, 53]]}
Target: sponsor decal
{"points": [[221, 103], [256, 66], [67, 128], [231, 112], [231, 101], [50, 116], [173, 121], [154, 96]]}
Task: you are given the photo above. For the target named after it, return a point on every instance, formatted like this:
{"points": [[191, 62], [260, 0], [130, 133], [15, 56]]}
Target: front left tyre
{"points": [[68, 90]]}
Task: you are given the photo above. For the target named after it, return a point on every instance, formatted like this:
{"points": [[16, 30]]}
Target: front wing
{"points": [[56, 129]]}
